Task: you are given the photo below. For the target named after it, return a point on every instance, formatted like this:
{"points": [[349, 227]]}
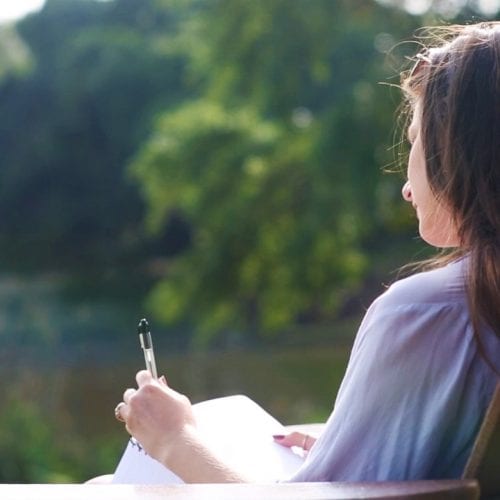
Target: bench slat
{"points": [[415, 490]]}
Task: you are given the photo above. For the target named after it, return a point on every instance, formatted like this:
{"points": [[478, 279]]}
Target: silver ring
{"points": [[118, 414], [304, 443]]}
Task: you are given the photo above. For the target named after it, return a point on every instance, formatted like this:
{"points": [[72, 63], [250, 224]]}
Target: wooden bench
{"points": [[413, 490], [484, 462]]}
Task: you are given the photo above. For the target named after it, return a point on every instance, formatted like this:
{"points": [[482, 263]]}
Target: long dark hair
{"points": [[458, 84]]}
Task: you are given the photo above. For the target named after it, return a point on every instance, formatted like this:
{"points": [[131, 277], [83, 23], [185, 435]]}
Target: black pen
{"points": [[147, 346]]}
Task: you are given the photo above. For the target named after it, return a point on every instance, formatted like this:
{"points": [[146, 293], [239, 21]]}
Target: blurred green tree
{"points": [[277, 167], [26, 447], [14, 55], [265, 168], [101, 72]]}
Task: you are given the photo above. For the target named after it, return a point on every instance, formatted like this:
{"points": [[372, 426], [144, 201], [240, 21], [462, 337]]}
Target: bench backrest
{"points": [[484, 462]]}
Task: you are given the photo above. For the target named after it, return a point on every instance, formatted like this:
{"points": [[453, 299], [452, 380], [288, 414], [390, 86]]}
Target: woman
{"points": [[426, 358]]}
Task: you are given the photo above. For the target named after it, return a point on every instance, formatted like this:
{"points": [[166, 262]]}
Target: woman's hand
{"points": [[160, 418], [304, 441]]}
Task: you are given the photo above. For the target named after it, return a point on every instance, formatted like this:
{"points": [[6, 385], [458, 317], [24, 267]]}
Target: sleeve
{"points": [[393, 412]]}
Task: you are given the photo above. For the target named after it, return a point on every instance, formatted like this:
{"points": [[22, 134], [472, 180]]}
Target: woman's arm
{"points": [[162, 420]]}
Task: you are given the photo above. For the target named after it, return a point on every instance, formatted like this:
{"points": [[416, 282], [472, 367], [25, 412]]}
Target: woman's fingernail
{"points": [[278, 437], [163, 379]]}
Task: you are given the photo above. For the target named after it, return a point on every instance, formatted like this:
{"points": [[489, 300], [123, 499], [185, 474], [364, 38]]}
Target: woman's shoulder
{"points": [[422, 309], [414, 308], [444, 285]]}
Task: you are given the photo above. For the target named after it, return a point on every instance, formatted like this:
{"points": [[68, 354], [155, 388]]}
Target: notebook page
{"points": [[240, 433]]}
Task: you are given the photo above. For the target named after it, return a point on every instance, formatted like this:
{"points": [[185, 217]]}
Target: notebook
{"points": [[240, 433]]}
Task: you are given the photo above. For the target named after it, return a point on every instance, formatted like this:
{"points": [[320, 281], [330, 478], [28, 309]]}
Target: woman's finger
{"points": [[128, 394], [143, 377], [118, 411], [300, 439]]}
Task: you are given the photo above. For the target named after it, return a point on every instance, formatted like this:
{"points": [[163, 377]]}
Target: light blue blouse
{"points": [[415, 390]]}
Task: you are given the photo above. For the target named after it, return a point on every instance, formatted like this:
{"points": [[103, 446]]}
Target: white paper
{"points": [[237, 429]]}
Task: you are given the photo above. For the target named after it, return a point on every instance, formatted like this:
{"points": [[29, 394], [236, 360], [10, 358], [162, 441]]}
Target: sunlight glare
{"points": [[417, 7], [11, 10], [489, 7]]}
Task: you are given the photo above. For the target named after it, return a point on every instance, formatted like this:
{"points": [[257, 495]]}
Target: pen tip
{"points": [[143, 326]]}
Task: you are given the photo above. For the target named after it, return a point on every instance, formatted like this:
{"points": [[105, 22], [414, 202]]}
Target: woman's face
{"points": [[435, 221]]}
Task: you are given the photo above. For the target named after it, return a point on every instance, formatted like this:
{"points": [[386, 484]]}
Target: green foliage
{"points": [[102, 70], [14, 55], [256, 210], [26, 447], [264, 163], [275, 167], [38, 447]]}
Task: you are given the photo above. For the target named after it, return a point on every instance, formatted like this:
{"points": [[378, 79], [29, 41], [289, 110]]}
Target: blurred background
{"points": [[227, 169]]}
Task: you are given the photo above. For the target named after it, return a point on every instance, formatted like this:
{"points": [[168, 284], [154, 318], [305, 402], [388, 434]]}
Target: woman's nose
{"points": [[406, 191]]}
